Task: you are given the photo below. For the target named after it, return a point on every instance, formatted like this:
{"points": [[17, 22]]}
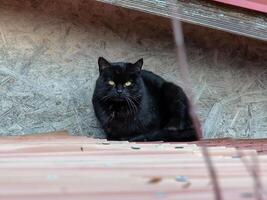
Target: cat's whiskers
{"points": [[105, 98], [136, 100], [129, 105], [133, 105]]}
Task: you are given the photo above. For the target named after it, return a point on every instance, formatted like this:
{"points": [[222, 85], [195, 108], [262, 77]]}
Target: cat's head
{"points": [[120, 81]]}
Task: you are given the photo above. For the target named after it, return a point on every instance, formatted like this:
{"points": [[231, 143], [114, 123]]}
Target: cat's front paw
{"points": [[140, 138], [171, 128]]}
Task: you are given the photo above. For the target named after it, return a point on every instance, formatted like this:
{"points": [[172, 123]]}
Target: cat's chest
{"points": [[127, 126], [133, 121], [118, 111]]}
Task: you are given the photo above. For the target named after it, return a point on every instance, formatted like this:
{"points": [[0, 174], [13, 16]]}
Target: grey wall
{"points": [[48, 54]]}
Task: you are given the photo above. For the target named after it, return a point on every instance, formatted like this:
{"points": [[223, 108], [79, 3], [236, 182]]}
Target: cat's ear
{"points": [[103, 64], [138, 65]]}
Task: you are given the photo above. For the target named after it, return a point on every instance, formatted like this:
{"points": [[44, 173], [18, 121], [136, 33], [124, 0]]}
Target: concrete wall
{"points": [[48, 54]]}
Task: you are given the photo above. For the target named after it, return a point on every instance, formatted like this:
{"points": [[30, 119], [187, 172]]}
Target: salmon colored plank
{"points": [[66, 167]]}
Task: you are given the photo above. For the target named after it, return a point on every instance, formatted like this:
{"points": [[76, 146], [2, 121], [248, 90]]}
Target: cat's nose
{"points": [[119, 89]]}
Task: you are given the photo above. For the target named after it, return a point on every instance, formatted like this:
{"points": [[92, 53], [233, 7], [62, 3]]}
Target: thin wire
{"points": [[183, 64]]}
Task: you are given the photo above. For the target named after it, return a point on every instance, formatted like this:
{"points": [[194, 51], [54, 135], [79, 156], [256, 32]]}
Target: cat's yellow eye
{"points": [[112, 83], [128, 83]]}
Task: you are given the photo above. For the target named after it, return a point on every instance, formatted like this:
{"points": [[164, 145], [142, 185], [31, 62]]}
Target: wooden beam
{"points": [[205, 13]]}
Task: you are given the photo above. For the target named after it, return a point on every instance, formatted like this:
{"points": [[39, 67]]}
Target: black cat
{"points": [[137, 105]]}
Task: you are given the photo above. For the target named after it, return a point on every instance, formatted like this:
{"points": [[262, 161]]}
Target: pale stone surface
{"points": [[48, 66]]}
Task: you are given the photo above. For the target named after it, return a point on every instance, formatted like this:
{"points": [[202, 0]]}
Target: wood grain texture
{"points": [[205, 13], [59, 166]]}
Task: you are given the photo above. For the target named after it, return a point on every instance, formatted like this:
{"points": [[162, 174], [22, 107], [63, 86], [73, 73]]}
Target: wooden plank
{"points": [[55, 167], [205, 13]]}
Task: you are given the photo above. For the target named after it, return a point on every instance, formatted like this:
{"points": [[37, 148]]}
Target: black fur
{"points": [[148, 109]]}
